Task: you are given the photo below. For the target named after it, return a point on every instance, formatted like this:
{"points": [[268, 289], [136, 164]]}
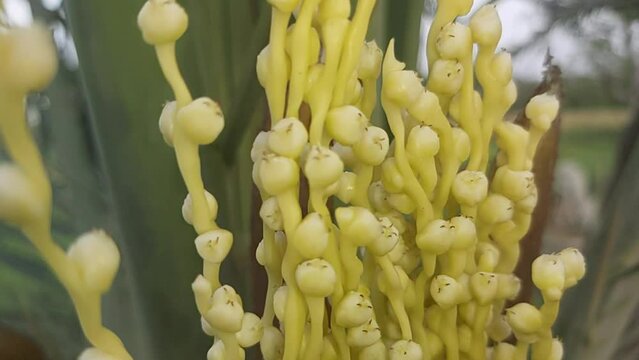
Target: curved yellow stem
{"points": [[299, 58], [188, 159], [168, 63], [352, 49], [278, 77]]}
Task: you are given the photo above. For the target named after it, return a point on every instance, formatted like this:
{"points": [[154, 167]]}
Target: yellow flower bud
{"points": [[252, 330], [462, 144], [403, 87], [354, 90], [503, 351], [387, 285], [509, 286], [354, 309], [278, 174], [316, 278], [499, 330], [391, 176], [214, 245], [515, 185], [556, 350], [202, 291], [313, 43], [346, 124], [346, 187], [226, 311], [510, 138], [574, 265], [436, 238], [272, 344], [378, 197], [548, 274], [260, 253], [509, 95], [410, 259], [387, 241], [201, 120], [527, 205], [402, 203], [487, 256], [187, 207], [470, 187], [376, 351], [486, 26], [542, 110], [422, 142], [279, 302], [260, 146], [29, 58], [456, 105], [255, 176], [484, 287], [206, 327], [358, 225], [446, 291], [225, 294], [426, 104], [373, 147], [455, 42], [262, 66], [162, 22], [370, 61], [525, 320], [311, 236], [271, 215], [19, 204], [95, 354], [465, 234], [434, 345], [287, 6], [405, 350], [446, 77], [364, 335], [96, 258], [323, 167], [502, 69], [167, 120], [288, 138], [495, 209]]}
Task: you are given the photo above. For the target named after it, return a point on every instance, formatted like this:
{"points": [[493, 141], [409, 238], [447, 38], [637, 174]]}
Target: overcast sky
{"points": [[520, 18]]}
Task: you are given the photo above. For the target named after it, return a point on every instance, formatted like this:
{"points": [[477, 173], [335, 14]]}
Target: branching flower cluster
{"points": [[405, 248]]}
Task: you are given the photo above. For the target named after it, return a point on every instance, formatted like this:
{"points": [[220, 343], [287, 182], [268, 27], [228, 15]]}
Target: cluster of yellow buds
{"points": [[28, 62], [185, 125], [407, 247]]}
